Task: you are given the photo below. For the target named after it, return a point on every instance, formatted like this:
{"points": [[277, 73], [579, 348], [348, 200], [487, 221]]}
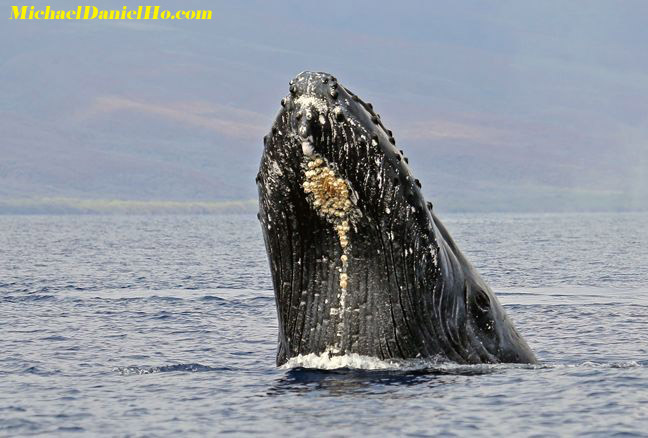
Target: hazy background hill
{"points": [[524, 106]]}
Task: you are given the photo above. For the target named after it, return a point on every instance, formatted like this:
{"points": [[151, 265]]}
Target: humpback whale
{"points": [[360, 262]]}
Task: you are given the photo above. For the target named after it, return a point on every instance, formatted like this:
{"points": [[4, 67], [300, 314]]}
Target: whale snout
{"points": [[322, 85], [319, 113], [312, 103]]}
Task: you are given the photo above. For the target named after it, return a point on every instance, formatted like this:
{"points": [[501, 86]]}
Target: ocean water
{"points": [[165, 326]]}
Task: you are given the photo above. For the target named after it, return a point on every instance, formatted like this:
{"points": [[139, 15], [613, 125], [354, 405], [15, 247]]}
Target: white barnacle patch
{"points": [[309, 100], [307, 148]]}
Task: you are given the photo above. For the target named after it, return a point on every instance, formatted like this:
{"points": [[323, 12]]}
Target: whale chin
{"points": [[359, 261]]}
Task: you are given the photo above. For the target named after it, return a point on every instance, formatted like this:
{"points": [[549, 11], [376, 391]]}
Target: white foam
{"points": [[327, 361]]}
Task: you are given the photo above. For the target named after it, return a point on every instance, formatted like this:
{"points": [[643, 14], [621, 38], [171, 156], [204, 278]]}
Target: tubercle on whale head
{"points": [[359, 262]]}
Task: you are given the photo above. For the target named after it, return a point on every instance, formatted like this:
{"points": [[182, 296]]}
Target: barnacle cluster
{"points": [[330, 196]]}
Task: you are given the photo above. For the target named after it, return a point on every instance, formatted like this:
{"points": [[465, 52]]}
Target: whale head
{"points": [[359, 261]]}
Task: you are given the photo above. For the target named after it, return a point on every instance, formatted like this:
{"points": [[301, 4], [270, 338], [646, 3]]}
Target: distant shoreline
{"points": [[80, 206], [62, 205]]}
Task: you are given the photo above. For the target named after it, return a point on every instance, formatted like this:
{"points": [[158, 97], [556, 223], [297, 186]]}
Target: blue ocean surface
{"points": [[149, 326]]}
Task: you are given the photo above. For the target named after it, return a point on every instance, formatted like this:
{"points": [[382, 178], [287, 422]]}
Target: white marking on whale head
{"points": [[307, 148], [309, 100]]}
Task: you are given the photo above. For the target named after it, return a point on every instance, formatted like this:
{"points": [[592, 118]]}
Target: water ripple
{"points": [[185, 368], [107, 324]]}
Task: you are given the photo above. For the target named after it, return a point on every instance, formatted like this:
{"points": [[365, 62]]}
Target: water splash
{"points": [[327, 361]]}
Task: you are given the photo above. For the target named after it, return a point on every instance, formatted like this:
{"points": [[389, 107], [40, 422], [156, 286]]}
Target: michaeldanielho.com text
{"points": [[95, 13]]}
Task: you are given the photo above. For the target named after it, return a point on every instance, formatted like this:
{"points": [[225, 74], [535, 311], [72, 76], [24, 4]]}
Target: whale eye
{"points": [[481, 308], [482, 301]]}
